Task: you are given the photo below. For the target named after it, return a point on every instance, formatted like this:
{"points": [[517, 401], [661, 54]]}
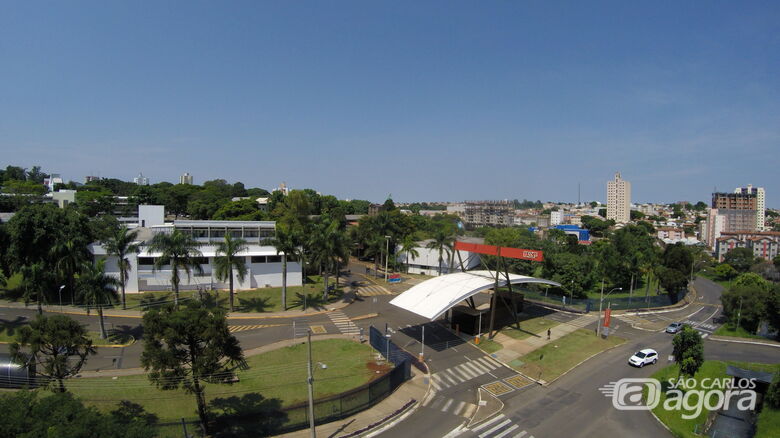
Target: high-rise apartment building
{"points": [[185, 179], [760, 203], [619, 200], [738, 209], [141, 180], [484, 213]]}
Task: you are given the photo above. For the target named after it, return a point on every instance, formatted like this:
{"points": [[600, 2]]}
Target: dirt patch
{"points": [[379, 368]]}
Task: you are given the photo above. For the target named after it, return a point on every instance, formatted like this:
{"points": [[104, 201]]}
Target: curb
{"points": [[720, 339], [370, 315], [96, 346], [661, 422], [502, 363], [471, 420], [411, 408]]}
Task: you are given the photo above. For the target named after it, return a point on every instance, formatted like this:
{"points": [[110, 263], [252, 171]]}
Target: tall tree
{"points": [[688, 351], [442, 242], [286, 245], [188, 346], [37, 280], [69, 254], [229, 260], [328, 247], [57, 345], [180, 252], [121, 244], [409, 247], [97, 289]]}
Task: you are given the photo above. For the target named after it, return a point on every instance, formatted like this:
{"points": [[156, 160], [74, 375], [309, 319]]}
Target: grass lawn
{"points": [[279, 376], [768, 425], [557, 357], [739, 332], [725, 284], [489, 346], [9, 329], [538, 325], [255, 300], [710, 369]]}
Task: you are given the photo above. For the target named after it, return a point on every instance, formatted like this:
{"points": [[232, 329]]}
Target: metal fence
{"points": [[636, 302]]}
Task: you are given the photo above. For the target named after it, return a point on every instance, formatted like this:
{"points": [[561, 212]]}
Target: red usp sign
{"points": [[503, 251], [607, 317]]}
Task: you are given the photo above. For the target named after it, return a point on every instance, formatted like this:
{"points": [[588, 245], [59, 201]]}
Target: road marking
{"points": [[522, 434], [507, 432], [458, 408], [487, 423], [467, 371], [494, 428], [241, 328], [452, 373], [447, 405]]}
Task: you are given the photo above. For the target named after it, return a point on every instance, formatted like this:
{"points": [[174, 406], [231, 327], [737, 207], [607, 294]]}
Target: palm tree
{"points": [[230, 260], [181, 252], [36, 278], [441, 242], [409, 247], [69, 255], [328, 246], [285, 243], [97, 289], [120, 244]]}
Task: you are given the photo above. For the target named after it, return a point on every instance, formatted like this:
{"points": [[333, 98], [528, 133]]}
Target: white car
{"points": [[643, 357]]}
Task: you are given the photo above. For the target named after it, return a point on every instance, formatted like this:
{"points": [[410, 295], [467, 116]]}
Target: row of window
{"points": [[149, 261]]}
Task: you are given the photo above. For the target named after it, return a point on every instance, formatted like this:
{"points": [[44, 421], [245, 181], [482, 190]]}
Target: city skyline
{"points": [[488, 101]]}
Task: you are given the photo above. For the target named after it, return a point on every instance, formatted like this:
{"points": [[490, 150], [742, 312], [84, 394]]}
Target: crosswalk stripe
{"points": [[488, 423], [458, 408], [452, 373], [465, 370], [482, 368], [493, 361], [494, 428], [484, 361], [521, 435], [469, 410], [436, 403], [507, 432], [447, 405], [449, 379], [474, 368], [436, 385]]}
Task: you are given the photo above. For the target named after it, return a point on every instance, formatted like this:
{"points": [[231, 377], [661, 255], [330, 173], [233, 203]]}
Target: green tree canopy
{"points": [[28, 414], [57, 345], [188, 347], [688, 351], [740, 259]]}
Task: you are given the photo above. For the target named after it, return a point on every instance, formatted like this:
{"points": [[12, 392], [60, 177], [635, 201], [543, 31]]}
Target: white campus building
{"points": [[264, 265], [427, 260]]}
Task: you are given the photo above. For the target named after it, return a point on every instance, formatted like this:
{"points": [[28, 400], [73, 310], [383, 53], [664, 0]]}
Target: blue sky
{"points": [[425, 100]]}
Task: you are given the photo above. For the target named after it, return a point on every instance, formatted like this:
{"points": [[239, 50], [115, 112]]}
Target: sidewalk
{"points": [[514, 348]]}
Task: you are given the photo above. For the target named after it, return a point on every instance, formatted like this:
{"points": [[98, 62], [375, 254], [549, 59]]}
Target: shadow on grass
{"points": [[11, 328], [254, 304], [14, 294], [249, 415], [122, 334]]}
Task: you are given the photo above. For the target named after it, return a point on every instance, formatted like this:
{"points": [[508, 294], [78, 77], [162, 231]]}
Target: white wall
{"points": [[428, 261]]}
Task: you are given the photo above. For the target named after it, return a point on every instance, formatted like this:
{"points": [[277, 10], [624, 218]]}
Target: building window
{"points": [[274, 259], [258, 259], [145, 261], [235, 233], [201, 260]]}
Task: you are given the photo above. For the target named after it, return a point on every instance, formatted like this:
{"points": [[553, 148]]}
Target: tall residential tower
{"points": [[760, 203], [619, 200]]}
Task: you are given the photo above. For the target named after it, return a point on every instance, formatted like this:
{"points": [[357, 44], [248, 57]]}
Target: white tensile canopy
{"points": [[431, 298]]}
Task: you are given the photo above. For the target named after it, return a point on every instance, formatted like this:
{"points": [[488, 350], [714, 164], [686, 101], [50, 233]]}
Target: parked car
{"points": [[643, 357], [674, 327]]}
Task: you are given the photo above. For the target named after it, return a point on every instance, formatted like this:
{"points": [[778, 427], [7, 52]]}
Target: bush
{"points": [[725, 272], [772, 396]]}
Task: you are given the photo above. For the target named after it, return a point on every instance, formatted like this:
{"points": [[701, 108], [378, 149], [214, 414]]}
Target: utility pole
{"points": [[601, 301], [739, 313], [311, 392], [387, 254]]}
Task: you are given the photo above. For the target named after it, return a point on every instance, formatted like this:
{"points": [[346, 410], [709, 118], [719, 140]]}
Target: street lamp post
{"points": [[601, 303], [60, 294], [313, 434], [387, 254]]}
